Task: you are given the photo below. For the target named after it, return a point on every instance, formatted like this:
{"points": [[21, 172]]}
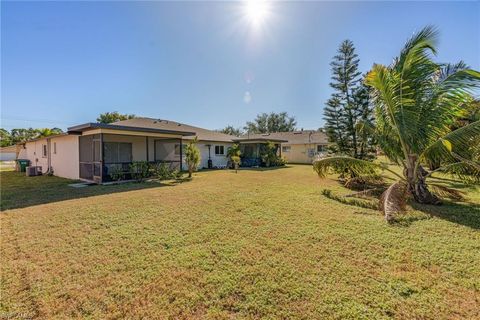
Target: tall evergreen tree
{"points": [[335, 124], [348, 105]]}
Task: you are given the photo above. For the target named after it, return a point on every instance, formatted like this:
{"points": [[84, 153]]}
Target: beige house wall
{"points": [[299, 153], [64, 152]]}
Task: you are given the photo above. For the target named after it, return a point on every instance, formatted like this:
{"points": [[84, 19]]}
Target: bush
{"points": [[140, 170], [116, 173], [162, 171], [280, 161]]}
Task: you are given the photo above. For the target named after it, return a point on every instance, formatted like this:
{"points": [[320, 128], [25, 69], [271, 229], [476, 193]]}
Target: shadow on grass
{"points": [[350, 201], [264, 168], [467, 214], [19, 191]]}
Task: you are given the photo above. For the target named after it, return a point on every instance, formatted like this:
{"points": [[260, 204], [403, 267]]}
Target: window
{"points": [[44, 150], [219, 150], [177, 150], [286, 148], [54, 148], [321, 148], [117, 152]]}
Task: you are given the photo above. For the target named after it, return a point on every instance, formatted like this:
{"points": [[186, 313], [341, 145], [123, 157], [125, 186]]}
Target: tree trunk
{"points": [[417, 184]]}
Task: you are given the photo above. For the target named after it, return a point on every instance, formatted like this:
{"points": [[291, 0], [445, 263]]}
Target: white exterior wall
{"points": [[65, 162], [33, 152], [217, 160]]}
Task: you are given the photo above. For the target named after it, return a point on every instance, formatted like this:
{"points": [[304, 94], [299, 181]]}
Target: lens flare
{"points": [[257, 12]]}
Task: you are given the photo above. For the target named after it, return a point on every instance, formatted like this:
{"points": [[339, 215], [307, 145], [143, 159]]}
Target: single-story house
{"points": [[91, 151], [296, 146], [9, 153], [213, 145]]}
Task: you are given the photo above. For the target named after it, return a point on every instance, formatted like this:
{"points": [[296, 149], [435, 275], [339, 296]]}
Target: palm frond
{"points": [[342, 164], [466, 171], [393, 200], [446, 192], [461, 143]]}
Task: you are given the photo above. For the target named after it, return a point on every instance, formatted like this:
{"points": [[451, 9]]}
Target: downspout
{"points": [[49, 157]]}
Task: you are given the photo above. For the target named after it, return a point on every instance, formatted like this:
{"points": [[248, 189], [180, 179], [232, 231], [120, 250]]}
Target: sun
{"points": [[257, 12]]}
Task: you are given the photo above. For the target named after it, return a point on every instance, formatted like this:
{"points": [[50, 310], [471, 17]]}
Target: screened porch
{"points": [[102, 155]]}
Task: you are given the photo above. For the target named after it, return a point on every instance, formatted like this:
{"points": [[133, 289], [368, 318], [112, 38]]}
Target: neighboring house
{"points": [[92, 151], [9, 153], [297, 146], [252, 147]]}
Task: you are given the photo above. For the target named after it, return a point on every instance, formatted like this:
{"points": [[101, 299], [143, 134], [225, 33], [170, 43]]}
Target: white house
{"points": [[90, 151]]}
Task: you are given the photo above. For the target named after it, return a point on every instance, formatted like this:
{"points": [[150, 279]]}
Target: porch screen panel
{"points": [[86, 150], [167, 150], [117, 152]]}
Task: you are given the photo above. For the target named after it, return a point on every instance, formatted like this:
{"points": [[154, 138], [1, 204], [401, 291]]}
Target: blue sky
{"points": [[63, 63]]}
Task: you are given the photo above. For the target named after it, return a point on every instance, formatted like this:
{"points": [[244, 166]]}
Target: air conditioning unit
{"points": [[31, 171]]}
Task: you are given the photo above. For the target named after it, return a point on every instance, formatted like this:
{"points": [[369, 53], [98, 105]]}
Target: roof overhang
{"points": [[91, 126], [258, 140]]}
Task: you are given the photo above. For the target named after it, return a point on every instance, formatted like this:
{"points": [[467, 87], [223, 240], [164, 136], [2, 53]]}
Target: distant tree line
{"points": [[265, 123], [14, 136], [109, 117]]}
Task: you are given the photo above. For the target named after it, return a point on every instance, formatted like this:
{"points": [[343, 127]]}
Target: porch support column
{"points": [[181, 155], [146, 146], [101, 157]]}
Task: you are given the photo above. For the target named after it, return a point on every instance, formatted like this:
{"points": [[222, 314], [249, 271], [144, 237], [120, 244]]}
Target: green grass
{"points": [[257, 244]]}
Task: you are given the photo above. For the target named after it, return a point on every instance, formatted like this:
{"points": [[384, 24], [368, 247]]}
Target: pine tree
{"points": [[348, 105], [334, 124]]}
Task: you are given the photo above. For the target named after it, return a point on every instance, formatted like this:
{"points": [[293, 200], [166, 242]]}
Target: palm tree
{"points": [[45, 132], [416, 103], [192, 156]]}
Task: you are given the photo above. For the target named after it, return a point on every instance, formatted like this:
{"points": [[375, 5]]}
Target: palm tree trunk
{"points": [[417, 184]]}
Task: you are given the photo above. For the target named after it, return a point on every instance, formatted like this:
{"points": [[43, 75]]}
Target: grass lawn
{"points": [[257, 244]]}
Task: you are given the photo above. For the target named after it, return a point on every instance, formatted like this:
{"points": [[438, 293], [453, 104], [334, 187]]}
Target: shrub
{"points": [[234, 153], [269, 154], [192, 156], [140, 170], [162, 171], [116, 173]]}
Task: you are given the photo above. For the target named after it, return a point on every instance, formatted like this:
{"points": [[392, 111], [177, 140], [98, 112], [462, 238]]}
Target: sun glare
{"points": [[257, 12]]}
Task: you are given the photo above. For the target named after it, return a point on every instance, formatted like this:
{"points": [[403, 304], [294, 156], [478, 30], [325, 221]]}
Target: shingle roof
{"points": [[294, 137], [202, 134], [125, 127]]}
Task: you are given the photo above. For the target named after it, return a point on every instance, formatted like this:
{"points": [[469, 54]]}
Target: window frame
{"points": [[118, 148], [286, 149], [222, 149], [175, 153], [322, 146], [44, 150], [54, 148]]}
